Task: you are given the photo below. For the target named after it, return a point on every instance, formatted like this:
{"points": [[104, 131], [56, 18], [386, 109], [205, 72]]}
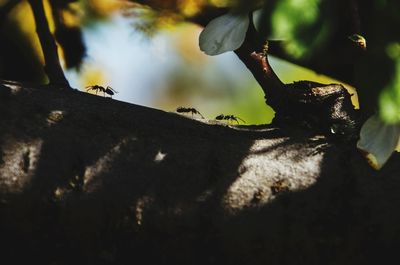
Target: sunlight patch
{"points": [[15, 88], [261, 180], [141, 205], [102, 164], [55, 116], [159, 156], [20, 162]]}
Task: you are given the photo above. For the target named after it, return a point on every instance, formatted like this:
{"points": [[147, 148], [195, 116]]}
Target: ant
{"points": [[187, 110], [229, 118], [106, 90]]}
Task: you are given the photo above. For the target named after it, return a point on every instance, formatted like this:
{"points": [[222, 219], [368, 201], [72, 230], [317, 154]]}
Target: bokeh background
{"points": [[150, 60]]}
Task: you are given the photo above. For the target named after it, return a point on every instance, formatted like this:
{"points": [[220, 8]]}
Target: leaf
{"points": [[389, 99], [224, 33], [378, 140], [398, 146], [302, 23]]}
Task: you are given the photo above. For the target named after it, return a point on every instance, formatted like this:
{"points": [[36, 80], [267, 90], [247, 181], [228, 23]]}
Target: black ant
{"points": [[106, 90], [229, 118], [187, 110]]}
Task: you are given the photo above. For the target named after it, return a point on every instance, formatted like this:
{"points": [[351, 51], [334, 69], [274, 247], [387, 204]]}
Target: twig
{"points": [[253, 53]]}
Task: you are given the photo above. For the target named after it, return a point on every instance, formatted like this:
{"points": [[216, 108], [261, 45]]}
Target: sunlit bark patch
{"points": [[20, 160], [14, 87], [140, 207], [102, 165], [159, 156], [55, 116], [255, 188]]}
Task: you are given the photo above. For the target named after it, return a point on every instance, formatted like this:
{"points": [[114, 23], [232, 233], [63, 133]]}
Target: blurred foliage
{"points": [[66, 15], [316, 34], [156, 14], [20, 53], [320, 35], [100, 9], [389, 101], [212, 85], [21, 57]]}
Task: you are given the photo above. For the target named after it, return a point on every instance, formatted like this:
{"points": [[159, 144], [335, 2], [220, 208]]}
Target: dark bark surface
{"points": [[91, 180]]}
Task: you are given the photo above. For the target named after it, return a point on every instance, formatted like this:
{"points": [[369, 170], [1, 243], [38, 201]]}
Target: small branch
{"points": [[259, 66], [52, 66], [253, 53]]}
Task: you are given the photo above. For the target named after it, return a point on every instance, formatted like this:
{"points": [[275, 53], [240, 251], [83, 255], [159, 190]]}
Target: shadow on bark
{"points": [[86, 171]]}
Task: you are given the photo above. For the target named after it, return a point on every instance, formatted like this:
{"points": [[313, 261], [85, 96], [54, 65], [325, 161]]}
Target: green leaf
{"points": [[301, 23], [378, 140], [224, 33], [389, 100]]}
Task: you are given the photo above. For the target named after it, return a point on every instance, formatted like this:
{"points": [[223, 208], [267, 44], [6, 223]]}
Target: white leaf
{"points": [[378, 140], [257, 16], [224, 33]]}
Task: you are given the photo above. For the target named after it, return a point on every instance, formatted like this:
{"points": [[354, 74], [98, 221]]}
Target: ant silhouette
{"points": [[106, 90], [187, 110], [229, 118]]}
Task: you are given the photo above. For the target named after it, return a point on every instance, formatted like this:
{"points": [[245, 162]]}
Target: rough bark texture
{"points": [[90, 180]]}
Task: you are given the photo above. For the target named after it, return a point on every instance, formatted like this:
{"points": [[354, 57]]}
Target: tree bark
{"points": [[87, 179]]}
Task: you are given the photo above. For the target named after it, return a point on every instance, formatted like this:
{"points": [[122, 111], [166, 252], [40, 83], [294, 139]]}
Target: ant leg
{"points": [[242, 120]]}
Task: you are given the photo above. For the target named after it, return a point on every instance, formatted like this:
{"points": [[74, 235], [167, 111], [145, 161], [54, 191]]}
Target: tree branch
{"points": [[118, 181], [52, 66], [253, 53]]}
